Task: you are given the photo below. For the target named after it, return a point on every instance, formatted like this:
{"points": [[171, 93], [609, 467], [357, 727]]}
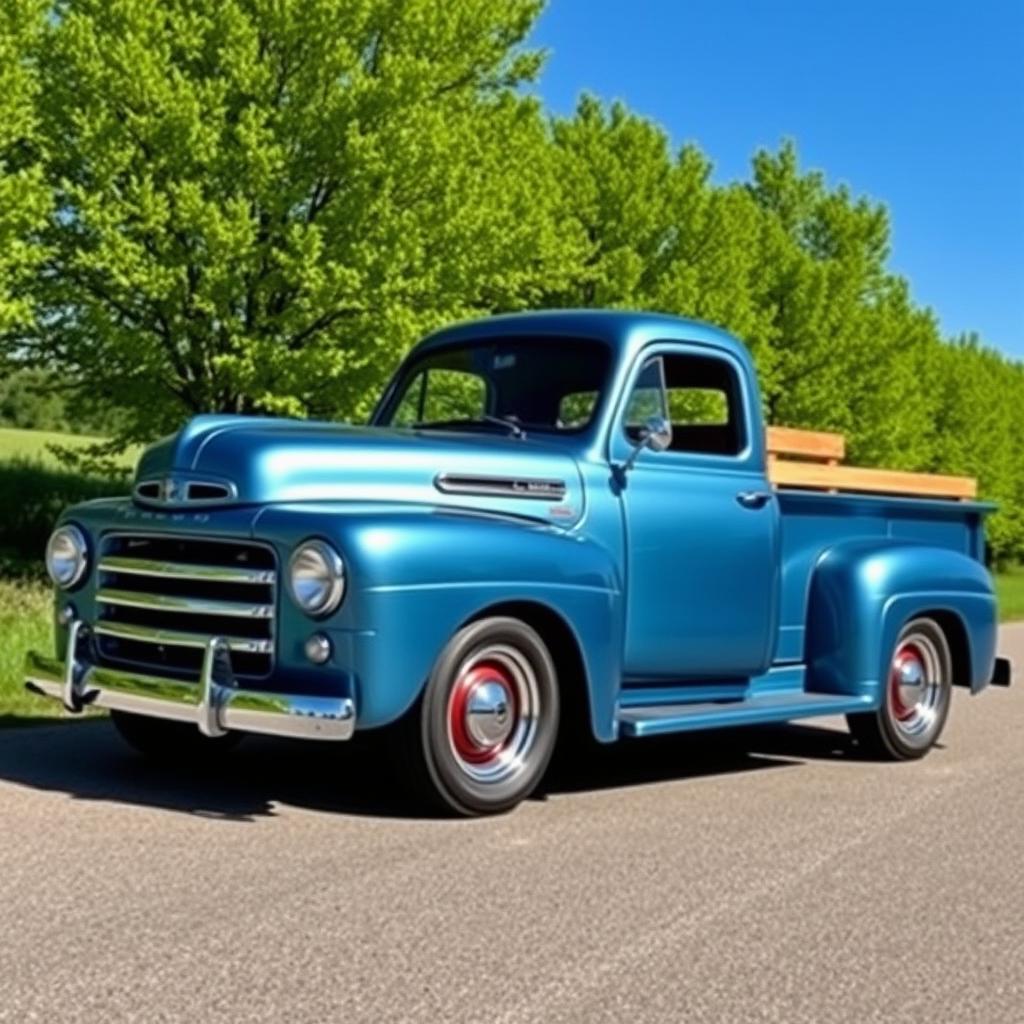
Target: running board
{"points": [[770, 707]]}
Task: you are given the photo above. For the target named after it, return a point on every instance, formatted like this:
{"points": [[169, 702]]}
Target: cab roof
{"points": [[623, 330]]}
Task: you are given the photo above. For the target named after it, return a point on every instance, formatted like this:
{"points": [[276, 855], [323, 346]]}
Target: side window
{"points": [[438, 394], [701, 397]]}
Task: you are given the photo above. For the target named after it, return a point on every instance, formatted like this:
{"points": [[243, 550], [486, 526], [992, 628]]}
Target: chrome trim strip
{"points": [[185, 571], [502, 487], [175, 638], [191, 605], [210, 704]]}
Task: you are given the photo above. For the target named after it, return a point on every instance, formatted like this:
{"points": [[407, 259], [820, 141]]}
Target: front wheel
{"points": [[917, 695], [480, 738]]}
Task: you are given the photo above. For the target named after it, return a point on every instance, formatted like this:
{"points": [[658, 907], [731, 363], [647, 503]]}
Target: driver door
{"points": [[701, 522]]}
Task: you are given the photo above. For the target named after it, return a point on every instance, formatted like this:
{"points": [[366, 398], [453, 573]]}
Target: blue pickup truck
{"points": [[553, 522]]}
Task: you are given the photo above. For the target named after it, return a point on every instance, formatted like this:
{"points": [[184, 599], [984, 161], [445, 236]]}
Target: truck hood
{"points": [[224, 460]]}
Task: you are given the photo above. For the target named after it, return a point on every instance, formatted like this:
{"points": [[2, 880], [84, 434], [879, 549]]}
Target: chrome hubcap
{"points": [[909, 680], [493, 713], [489, 713], [916, 688]]}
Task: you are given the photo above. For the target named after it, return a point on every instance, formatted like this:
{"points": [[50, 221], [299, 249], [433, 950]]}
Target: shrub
{"points": [[38, 494]]}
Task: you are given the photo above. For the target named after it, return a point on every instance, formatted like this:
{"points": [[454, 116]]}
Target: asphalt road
{"points": [[757, 876]]}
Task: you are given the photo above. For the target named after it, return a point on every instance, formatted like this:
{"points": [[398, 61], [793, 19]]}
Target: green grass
{"points": [[25, 621], [1010, 587], [33, 446]]}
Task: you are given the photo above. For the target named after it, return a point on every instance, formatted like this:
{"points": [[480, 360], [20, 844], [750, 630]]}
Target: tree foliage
{"points": [[257, 205], [24, 197], [261, 201]]}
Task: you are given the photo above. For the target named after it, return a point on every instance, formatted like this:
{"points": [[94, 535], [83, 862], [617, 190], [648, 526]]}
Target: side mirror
{"points": [[656, 435]]}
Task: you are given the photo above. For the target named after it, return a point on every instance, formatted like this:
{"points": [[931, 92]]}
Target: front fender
{"points": [[863, 592], [415, 576]]}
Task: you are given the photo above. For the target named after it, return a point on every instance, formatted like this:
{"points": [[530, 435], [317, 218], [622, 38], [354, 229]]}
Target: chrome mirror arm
{"points": [[656, 436]]}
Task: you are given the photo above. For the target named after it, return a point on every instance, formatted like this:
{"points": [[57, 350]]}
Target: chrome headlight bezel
{"points": [[316, 578], [67, 548]]}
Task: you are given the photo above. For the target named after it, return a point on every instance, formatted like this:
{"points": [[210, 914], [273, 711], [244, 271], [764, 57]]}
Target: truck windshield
{"points": [[506, 384]]}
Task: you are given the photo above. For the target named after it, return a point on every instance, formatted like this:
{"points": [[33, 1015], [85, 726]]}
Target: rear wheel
{"points": [[915, 705], [480, 738], [160, 740]]}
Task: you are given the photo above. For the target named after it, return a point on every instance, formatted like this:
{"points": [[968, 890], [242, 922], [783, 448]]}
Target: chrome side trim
{"points": [[185, 571], [210, 705], [505, 487], [196, 605], [174, 638]]}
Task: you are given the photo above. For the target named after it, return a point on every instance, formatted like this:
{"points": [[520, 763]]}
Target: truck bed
{"points": [[824, 502]]}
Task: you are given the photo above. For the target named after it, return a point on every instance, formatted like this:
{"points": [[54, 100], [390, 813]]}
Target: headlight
{"points": [[67, 556], [316, 577]]}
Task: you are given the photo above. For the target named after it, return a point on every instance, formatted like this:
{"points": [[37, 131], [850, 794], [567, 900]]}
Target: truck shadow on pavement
{"points": [[88, 761]]}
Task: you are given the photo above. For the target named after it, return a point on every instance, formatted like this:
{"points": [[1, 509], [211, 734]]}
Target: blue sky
{"points": [[919, 105]]}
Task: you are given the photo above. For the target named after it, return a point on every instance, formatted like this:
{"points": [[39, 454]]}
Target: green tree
{"points": [[261, 203], [617, 175], [978, 432], [24, 197], [28, 402], [655, 233], [846, 336]]}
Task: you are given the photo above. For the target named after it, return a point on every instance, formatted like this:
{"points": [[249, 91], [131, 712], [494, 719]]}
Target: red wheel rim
{"points": [[469, 683]]}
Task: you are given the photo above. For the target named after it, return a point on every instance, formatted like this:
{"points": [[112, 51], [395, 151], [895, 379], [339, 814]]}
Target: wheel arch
{"points": [[566, 649], [952, 625], [437, 573]]}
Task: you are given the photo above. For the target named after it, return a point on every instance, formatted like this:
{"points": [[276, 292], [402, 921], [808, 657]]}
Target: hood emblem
{"points": [[171, 490]]}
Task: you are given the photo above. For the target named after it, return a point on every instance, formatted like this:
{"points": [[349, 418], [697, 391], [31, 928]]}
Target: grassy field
{"points": [[25, 610], [33, 445], [1010, 586]]}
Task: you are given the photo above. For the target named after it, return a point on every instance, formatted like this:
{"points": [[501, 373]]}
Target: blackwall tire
{"points": [[915, 704], [481, 736]]}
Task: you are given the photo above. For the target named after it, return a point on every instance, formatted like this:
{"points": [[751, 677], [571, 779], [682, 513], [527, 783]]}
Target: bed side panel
{"points": [[813, 523]]}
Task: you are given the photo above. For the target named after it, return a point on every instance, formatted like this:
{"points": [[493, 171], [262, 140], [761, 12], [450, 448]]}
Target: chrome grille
{"points": [[162, 597]]}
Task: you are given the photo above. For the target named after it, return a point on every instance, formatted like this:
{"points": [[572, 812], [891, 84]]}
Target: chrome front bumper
{"points": [[214, 704]]}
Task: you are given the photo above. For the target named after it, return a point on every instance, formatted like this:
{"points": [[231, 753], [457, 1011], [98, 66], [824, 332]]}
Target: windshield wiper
{"points": [[513, 428]]}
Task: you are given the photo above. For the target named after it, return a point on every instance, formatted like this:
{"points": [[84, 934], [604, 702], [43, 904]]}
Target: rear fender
{"points": [[863, 592]]}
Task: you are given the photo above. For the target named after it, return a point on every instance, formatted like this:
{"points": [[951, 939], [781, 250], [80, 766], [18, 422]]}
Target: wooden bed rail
{"points": [[810, 459]]}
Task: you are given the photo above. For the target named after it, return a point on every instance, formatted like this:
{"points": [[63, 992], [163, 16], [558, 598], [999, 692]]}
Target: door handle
{"points": [[754, 499]]}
